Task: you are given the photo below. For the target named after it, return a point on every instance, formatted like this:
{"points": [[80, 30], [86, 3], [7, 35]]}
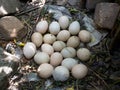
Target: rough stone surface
{"points": [[11, 27], [91, 4], [77, 3], [9, 6], [106, 14], [61, 2]]}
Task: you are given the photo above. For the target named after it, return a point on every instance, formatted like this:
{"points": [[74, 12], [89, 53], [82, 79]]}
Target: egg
{"points": [[45, 70], [63, 35], [29, 50], [41, 57], [58, 45], [79, 71], [47, 48], [64, 22], [69, 63], [42, 26], [61, 73], [37, 39], [73, 41], [49, 38], [56, 59], [85, 36], [68, 52], [83, 54], [54, 28], [74, 28]]}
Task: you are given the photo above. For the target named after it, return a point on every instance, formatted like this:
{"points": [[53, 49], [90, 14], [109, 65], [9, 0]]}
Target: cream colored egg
{"points": [[49, 38], [74, 28], [64, 22], [61, 73], [42, 26], [59, 45], [47, 48], [54, 28], [45, 70], [83, 54], [37, 38], [56, 59], [69, 63], [73, 41], [68, 52], [63, 35], [29, 50], [85, 36], [41, 57], [79, 71]]}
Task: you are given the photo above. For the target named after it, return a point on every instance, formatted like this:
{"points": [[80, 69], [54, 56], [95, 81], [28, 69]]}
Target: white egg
{"points": [[41, 57], [49, 38], [83, 54], [37, 39], [59, 45], [69, 63], [47, 48], [42, 26], [63, 35], [54, 28], [85, 36], [56, 59], [64, 22], [45, 70], [68, 52], [73, 41], [74, 28], [61, 73], [79, 71], [29, 50]]}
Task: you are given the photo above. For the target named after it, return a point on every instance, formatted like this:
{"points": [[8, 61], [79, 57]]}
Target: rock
{"points": [[61, 2], [9, 6], [106, 14], [91, 4], [11, 27], [77, 3]]}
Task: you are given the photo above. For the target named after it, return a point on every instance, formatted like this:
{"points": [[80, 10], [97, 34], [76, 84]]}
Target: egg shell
{"points": [[63, 35], [54, 28], [79, 71], [56, 59], [64, 22], [47, 48], [68, 52], [73, 41], [74, 28], [69, 63], [45, 70], [49, 38], [29, 50], [37, 38], [83, 54], [85, 36], [42, 26], [61, 73], [41, 57], [58, 45]]}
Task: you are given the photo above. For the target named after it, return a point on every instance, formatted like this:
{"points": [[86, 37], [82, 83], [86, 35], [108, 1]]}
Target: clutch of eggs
{"points": [[54, 47]]}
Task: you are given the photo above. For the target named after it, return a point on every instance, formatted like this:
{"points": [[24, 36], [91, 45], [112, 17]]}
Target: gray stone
{"points": [[91, 4], [77, 3], [9, 6], [106, 14], [11, 27], [61, 2]]}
